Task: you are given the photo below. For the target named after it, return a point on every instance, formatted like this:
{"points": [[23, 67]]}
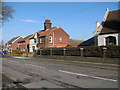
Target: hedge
{"points": [[88, 51]]}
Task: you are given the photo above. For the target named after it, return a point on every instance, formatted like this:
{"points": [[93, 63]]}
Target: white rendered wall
{"points": [[102, 41], [32, 43]]}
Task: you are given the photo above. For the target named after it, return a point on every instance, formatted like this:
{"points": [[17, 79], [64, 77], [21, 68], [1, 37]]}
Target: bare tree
{"points": [[6, 12]]}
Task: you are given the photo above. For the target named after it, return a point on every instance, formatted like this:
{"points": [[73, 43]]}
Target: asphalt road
{"points": [[44, 73]]}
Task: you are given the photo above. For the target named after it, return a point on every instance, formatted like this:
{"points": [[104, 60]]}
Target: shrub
{"points": [[113, 51], [69, 45]]}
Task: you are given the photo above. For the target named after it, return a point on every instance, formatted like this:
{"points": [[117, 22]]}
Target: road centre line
{"points": [[84, 75]]}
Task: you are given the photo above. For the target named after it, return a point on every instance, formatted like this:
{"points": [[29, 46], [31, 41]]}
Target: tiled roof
{"points": [[111, 25], [47, 31], [13, 39], [25, 38], [87, 42], [39, 32]]}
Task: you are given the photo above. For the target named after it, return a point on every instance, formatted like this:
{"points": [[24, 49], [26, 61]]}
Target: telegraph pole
{"points": [[7, 41]]}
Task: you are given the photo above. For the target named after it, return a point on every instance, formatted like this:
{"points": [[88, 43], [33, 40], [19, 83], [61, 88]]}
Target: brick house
{"points": [[49, 37], [13, 43], [23, 44]]}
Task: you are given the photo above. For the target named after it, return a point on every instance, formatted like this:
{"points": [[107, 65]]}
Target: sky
{"points": [[78, 19]]}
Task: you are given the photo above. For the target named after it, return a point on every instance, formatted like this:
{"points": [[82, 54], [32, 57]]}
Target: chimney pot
{"points": [[47, 21], [47, 24]]}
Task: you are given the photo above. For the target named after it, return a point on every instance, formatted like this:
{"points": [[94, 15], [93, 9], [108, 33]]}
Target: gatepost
{"points": [[64, 49], [104, 52], [51, 52], [40, 52], [81, 52]]}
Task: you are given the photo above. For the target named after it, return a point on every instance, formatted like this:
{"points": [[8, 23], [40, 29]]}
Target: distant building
{"points": [[74, 42], [13, 43], [49, 37], [23, 44], [106, 33]]}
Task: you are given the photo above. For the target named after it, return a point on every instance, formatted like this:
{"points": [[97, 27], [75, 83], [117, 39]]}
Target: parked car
{"points": [[4, 52]]}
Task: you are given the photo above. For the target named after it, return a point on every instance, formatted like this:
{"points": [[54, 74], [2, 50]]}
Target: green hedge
{"points": [[88, 51], [93, 52], [113, 51]]}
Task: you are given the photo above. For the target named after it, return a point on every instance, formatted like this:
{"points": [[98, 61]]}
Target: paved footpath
{"points": [[46, 73]]}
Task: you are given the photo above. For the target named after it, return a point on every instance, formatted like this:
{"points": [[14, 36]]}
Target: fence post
{"points": [[40, 52], [51, 52], [104, 52], [64, 51], [81, 52]]}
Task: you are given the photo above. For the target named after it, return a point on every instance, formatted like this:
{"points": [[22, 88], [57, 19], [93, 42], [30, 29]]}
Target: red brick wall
{"points": [[21, 46], [57, 34], [43, 42], [26, 43], [15, 44]]}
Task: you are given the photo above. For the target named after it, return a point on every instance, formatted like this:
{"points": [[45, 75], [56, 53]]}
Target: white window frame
{"points": [[60, 39], [40, 40], [50, 39]]}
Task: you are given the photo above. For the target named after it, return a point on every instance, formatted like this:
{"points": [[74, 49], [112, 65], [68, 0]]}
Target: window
{"points": [[110, 40], [33, 47], [34, 40], [50, 39], [60, 39], [40, 40]]}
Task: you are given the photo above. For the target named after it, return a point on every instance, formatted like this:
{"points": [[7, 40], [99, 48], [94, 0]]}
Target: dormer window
{"points": [[50, 39]]}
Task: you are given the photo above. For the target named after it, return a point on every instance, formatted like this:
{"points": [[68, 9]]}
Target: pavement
{"points": [[49, 73]]}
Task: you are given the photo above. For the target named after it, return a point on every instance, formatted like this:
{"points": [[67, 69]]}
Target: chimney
{"points": [[97, 24], [47, 24]]}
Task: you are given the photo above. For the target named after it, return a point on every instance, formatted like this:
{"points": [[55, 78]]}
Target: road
{"points": [[45, 73]]}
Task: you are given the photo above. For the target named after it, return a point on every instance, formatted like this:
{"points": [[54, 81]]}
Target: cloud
{"points": [[28, 20]]}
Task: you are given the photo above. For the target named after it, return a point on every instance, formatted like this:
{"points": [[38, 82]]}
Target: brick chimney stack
{"points": [[47, 24]]}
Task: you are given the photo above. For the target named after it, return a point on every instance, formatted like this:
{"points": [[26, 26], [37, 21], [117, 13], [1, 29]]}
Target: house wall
{"points": [[119, 39], [15, 43], [96, 40], [101, 39], [43, 42], [32, 43], [21, 46], [26, 43], [56, 41]]}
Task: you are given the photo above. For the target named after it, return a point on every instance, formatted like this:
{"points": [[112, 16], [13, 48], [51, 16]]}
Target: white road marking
{"points": [[34, 65], [20, 57], [84, 75]]}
